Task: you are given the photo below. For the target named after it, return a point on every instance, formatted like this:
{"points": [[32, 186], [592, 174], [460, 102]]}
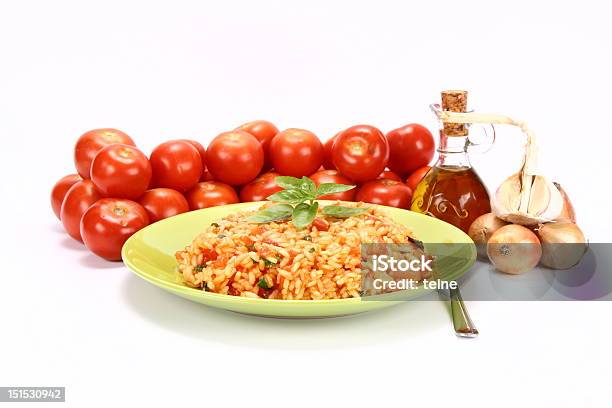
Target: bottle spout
{"points": [[436, 109]]}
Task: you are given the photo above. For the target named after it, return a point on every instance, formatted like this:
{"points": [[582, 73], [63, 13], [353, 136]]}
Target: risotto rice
{"points": [[277, 261]]}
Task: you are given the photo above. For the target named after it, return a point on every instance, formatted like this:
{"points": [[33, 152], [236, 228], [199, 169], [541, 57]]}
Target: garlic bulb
{"points": [[527, 200]]}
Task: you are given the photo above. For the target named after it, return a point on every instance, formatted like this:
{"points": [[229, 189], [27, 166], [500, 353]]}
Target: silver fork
{"points": [[464, 327]]}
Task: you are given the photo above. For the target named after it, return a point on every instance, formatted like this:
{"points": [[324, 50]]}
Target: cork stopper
{"points": [[455, 101]]}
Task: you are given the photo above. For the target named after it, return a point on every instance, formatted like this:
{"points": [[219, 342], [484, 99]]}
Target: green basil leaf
{"points": [[274, 213], [268, 263], [263, 284], [309, 187], [289, 196], [331, 188], [337, 211], [288, 182], [304, 214]]}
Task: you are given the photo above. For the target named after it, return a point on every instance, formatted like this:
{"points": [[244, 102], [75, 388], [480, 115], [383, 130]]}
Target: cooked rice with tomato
{"points": [[277, 261]]}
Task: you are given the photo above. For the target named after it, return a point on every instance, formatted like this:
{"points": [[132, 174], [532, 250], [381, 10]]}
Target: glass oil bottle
{"points": [[452, 190]]}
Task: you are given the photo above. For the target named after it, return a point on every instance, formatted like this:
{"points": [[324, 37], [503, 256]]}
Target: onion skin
{"points": [[514, 249], [563, 245], [567, 213], [482, 229]]}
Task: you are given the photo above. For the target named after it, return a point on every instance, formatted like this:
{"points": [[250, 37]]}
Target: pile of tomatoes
{"points": [[119, 190]]}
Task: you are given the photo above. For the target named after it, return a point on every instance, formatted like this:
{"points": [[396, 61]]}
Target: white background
{"points": [[191, 70]]}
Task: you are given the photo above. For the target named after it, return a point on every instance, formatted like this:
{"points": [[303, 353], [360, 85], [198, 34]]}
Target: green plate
{"points": [[150, 254]]}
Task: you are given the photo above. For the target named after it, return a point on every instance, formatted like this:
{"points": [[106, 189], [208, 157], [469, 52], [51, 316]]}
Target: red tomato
{"points": [[385, 192], [78, 199], [108, 223], [162, 203], [333, 176], [412, 146], [206, 176], [59, 191], [389, 175], [416, 177], [177, 165], [235, 157], [260, 188], [199, 148], [360, 153], [320, 224], [121, 171], [263, 131], [90, 143], [296, 152], [328, 163], [210, 194]]}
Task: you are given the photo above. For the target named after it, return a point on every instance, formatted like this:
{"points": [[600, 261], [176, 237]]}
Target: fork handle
{"points": [[464, 327]]}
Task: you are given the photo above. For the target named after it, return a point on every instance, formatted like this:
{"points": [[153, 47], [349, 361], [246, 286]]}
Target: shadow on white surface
{"points": [[57, 227], [93, 261], [398, 323], [70, 243]]}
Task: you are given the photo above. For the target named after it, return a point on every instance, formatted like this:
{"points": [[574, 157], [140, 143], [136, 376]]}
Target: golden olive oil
{"points": [[456, 195]]}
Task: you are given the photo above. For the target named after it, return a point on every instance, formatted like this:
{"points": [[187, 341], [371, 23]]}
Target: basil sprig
{"points": [[297, 201]]}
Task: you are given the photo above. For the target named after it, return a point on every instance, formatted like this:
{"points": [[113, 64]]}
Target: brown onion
{"points": [[563, 244], [514, 249], [481, 230]]}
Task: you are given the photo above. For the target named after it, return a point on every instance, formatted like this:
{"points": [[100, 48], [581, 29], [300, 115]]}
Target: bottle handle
{"points": [[483, 143], [473, 144]]}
